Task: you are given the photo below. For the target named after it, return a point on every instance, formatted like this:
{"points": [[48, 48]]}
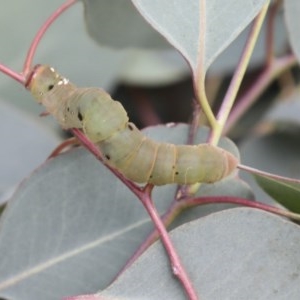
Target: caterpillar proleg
{"points": [[105, 122]]}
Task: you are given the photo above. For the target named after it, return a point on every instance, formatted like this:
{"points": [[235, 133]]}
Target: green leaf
{"points": [[118, 24], [179, 24], [239, 254], [284, 192], [72, 225], [148, 59], [25, 144]]}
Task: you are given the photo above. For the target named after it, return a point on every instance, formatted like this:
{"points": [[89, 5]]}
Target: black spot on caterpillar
{"points": [[79, 115], [105, 122]]}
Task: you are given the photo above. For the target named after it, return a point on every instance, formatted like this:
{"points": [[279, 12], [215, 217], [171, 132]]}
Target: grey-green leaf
{"points": [[284, 192], [178, 21], [72, 225], [25, 143], [118, 24], [292, 12], [237, 254]]}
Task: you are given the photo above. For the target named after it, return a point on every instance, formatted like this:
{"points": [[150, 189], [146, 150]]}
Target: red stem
{"points": [[177, 206], [270, 32], [14, 75], [167, 218], [268, 175], [144, 196], [64, 146], [95, 151], [31, 52], [241, 201], [261, 83], [177, 267]]}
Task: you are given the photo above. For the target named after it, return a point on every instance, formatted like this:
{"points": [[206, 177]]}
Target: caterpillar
{"points": [[105, 122]]}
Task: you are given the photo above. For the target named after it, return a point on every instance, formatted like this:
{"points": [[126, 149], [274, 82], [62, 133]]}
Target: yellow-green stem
{"points": [[238, 76], [199, 72]]}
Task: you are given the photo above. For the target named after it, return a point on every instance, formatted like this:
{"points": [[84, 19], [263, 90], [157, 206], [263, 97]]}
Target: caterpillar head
{"points": [[43, 80]]}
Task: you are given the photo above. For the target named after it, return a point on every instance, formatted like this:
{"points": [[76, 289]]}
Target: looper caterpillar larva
{"points": [[105, 123]]}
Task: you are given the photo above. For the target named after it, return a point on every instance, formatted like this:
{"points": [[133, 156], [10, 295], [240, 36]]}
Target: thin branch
{"points": [[244, 202], [176, 207], [270, 32], [269, 175], [238, 75], [177, 267], [14, 75], [262, 82], [31, 52], [167, 218], [194, 127], [65, 145], [144, 195], [95, 151], [199, 73]]}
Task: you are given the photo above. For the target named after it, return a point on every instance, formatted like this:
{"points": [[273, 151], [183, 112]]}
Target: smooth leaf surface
{"points": [[66, 227], [25, 144], [228, 59], [237, 254], [292, 12], [179, 24], [284, 192], [71, 226], [142, 67], [114, 24], [118, 24]]}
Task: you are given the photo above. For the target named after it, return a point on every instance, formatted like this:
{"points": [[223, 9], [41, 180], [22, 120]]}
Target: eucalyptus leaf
{"points": [[69, 229], [284, 192], [25, 144], [117, 24], [71, 225], [179, 24], [237, 254]]}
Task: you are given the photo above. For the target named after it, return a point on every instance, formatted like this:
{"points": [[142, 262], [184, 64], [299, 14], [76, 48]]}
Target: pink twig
{"points": [[95, 151], [73, 141], [14, 75], [261, 83], [241, 201], [30, 54], [269, 175], [270, 32], [177, 206], [144, 196], [174, 208], [177, 267]]}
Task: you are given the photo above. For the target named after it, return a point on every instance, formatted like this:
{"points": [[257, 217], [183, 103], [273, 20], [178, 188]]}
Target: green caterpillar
{"points": [[105, 122]]}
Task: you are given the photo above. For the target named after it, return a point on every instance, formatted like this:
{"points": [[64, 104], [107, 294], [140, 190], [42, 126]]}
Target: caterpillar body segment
{"points": [[105, 122]]}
